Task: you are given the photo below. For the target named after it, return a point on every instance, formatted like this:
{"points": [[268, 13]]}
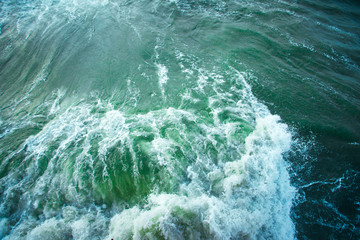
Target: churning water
{"points": [[179, 119]]}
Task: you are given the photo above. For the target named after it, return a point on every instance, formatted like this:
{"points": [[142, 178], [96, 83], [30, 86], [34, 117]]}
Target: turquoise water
{"points": [[179, 119]]}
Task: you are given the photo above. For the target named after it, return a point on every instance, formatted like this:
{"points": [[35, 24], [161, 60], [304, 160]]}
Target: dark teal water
{"points": [[179, 119]]}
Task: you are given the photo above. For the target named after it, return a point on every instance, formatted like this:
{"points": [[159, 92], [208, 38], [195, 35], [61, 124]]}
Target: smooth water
{"points": [[176, 119]]}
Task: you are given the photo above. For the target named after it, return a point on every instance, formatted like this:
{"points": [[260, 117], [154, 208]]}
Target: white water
{"points": [[210, 166], [253, 196], [247, 195]]}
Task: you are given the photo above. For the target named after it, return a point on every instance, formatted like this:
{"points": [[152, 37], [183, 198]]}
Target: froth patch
{"points": [[162, 72], [217, 173], [253, 198]]}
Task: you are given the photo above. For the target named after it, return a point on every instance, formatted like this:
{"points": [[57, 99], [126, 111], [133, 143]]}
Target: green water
{"points": [[179, 120]]}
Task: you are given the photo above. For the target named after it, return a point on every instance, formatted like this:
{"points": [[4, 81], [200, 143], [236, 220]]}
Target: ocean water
{"points": [[179, 119]]}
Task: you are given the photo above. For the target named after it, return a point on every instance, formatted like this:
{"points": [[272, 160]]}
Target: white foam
{"points": [[163, 77], [254, 201], [55, 107], [49, 230], [246, 195]]}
